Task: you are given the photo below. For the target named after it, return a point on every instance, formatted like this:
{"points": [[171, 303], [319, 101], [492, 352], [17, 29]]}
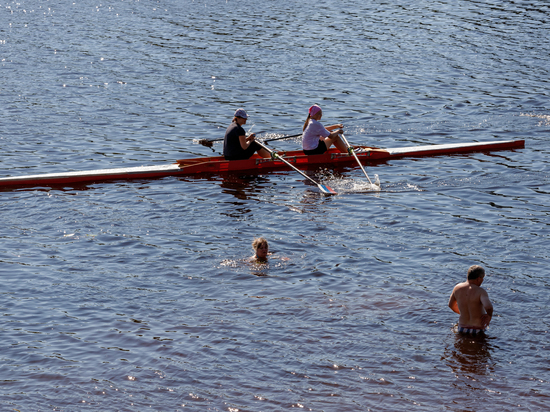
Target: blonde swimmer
{"points": [[261, 250]]}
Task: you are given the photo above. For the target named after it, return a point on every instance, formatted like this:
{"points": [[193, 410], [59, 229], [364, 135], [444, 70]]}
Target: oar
{"points": [[323, 188], [282, 137], [352, 152], [207, 142]]}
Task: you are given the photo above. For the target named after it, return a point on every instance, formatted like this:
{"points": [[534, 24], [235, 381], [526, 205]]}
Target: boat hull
{"points": [[256, 164]]}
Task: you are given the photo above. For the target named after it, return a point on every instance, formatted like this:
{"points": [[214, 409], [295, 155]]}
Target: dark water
{"points": [[134, 296]]}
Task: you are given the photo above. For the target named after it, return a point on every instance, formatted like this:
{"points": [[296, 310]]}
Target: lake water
{"points": [[137, 296]]}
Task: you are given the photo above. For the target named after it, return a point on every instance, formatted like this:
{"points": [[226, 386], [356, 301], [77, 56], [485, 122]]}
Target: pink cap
{"points": [[313, 110]]}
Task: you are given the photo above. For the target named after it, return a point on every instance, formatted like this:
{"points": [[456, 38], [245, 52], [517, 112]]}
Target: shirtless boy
{"points": [[472, 303]]}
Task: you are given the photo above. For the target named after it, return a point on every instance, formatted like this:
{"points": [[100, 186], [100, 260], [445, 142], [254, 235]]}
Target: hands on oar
{"points": [[323, 188]]}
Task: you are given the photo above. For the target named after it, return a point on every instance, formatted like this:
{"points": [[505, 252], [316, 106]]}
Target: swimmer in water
{"points": [[261, 249], [472, 303]]}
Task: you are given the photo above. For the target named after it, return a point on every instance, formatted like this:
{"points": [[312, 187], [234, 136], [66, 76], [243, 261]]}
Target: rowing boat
{"points": [[256, 164]]}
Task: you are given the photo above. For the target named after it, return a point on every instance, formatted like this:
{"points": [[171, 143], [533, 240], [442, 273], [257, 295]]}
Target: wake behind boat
{"points": [[256, 164]]}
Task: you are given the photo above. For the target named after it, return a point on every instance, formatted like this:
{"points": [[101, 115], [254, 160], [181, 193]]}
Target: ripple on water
{"points": [[138, 294]]}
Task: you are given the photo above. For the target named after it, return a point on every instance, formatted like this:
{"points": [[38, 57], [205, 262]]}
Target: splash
{"points": [[349, 185], [230, 263]]}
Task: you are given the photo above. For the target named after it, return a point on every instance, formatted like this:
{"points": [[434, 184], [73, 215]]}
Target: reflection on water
{"points": [[243, 188], [240, 186], [470, 356]]}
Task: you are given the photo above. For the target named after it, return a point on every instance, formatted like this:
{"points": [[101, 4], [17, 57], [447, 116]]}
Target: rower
{"points": [[316, 138], [236, 144]]}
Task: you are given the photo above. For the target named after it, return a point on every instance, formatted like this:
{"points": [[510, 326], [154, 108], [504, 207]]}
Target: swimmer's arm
{"points": [[488, 306], [453, 304]]}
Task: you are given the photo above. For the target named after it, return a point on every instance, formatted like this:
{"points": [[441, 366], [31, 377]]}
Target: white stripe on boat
{"points": [[442, 147]]}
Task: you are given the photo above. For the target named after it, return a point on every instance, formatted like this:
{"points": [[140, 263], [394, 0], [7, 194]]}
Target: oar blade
{"points": [[205, 142], [327, 190]]}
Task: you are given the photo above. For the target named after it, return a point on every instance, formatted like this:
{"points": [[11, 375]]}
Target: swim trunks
{"points": [[472, 331]]}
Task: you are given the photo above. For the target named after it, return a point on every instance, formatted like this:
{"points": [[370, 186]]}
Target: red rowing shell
{"points": [[255, 164]]}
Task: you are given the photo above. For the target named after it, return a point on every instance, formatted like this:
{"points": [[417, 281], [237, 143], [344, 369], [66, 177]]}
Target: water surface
{"points": [[137, 295]]}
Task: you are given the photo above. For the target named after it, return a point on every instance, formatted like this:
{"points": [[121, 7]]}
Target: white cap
{"points": [[241, 113]]}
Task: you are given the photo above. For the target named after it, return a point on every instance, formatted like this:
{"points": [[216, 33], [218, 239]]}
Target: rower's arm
{"points": [[245, 141], [334, 126]]}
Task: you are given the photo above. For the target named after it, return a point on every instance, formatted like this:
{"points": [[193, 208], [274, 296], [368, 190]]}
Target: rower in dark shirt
{"points": [[237, 145]]}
